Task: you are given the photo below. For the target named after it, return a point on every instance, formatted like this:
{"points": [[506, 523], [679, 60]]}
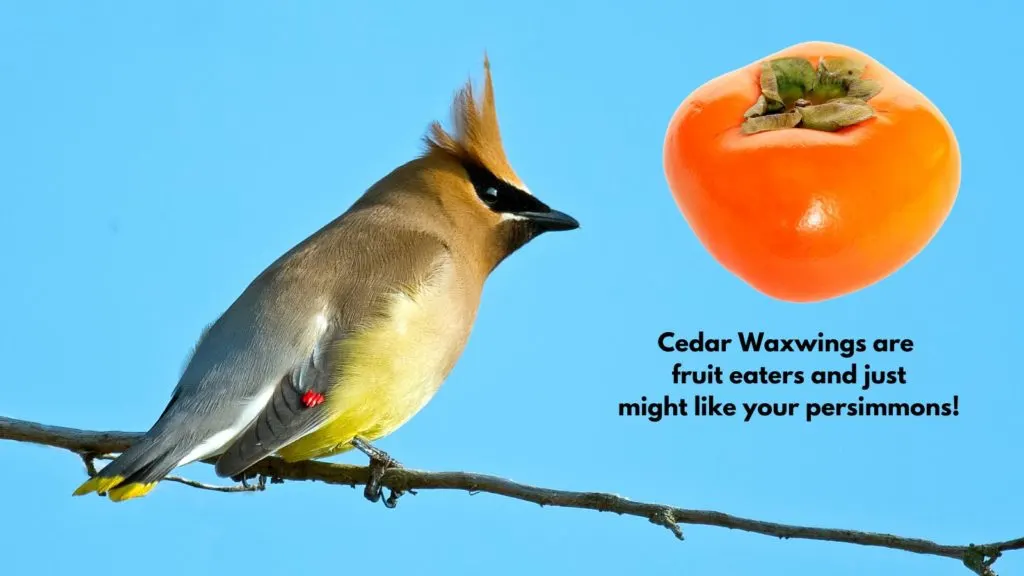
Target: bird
{"points": [[350, 333]]}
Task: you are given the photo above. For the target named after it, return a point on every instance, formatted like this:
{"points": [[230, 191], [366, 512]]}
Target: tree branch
{"points": [[89, 444]]}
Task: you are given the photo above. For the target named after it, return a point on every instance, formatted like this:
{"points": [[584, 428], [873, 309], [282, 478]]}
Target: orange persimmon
{"points": [[812, 173]]}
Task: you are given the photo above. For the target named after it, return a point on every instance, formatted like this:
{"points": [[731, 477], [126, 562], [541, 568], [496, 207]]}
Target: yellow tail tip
{"points": [[112, 487], [129, 491], [99, 484]]}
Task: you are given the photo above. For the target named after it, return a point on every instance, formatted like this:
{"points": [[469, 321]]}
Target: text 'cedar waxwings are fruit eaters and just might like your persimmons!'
{"points": [[861, 376]]}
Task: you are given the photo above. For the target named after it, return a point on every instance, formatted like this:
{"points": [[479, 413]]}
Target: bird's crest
{"points": [[476, 137]]}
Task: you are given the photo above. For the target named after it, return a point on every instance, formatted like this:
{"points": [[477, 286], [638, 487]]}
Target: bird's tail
{"points": [[136, 471]]}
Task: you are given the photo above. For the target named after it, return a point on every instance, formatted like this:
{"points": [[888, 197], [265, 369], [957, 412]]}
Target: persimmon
{"points": [[812, 173]]}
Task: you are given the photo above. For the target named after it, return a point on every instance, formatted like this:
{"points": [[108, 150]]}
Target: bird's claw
{"points": [[380, 462], [244, 478]]}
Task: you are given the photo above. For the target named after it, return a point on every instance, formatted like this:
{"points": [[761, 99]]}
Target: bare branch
{"points": [[88, 444]]}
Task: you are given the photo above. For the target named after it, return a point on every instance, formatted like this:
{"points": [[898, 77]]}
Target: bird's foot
{"points": [[380, 462], [244, 478], [261, 483]]}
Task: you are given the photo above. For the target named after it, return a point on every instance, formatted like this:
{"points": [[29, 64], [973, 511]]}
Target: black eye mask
{"points": [[500, 196]]}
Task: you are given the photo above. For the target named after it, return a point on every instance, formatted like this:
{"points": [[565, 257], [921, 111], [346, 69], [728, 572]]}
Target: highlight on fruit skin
{"points": [[813, 172]]}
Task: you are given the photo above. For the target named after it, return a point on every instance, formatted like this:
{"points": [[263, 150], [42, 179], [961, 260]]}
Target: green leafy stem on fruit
{"points": [[795, 94]]}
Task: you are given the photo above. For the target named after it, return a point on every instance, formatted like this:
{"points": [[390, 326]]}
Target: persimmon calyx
{"points": [[795, 94]]}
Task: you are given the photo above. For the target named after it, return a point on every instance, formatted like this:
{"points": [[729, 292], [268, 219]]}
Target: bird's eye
{"points": [[490, 195]]}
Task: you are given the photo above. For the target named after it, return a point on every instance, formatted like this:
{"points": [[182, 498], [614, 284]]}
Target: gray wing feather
{"points": [[284, 419]]}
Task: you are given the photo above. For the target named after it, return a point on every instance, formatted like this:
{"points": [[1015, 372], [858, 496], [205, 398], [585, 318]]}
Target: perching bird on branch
{"points": [[349, 334]]}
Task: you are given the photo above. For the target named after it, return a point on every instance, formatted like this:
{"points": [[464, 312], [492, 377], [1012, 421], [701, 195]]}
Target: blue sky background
{"points": [[155, 159]]}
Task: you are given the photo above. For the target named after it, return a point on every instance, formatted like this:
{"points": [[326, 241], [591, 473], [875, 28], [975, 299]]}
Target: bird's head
{"points": [[485, 198]]}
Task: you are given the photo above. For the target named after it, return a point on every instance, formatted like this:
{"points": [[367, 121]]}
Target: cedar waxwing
{"points": [[350, 333]]}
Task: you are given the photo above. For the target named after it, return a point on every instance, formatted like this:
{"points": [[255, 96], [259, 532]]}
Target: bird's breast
{"points": [[392, 367]]}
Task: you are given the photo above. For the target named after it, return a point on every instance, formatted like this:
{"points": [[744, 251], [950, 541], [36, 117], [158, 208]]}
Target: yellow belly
{"points": [[387, 374]]}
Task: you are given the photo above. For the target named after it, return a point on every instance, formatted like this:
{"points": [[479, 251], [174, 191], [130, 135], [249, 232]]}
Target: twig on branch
{"points": [[89, 444], [258, 487]]}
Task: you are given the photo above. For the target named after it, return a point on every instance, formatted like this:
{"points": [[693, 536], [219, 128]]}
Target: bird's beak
{"points": [[550, 220]]}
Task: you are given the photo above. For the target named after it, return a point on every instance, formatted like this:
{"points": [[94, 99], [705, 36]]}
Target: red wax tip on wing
{"points": [[311, 398]]}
